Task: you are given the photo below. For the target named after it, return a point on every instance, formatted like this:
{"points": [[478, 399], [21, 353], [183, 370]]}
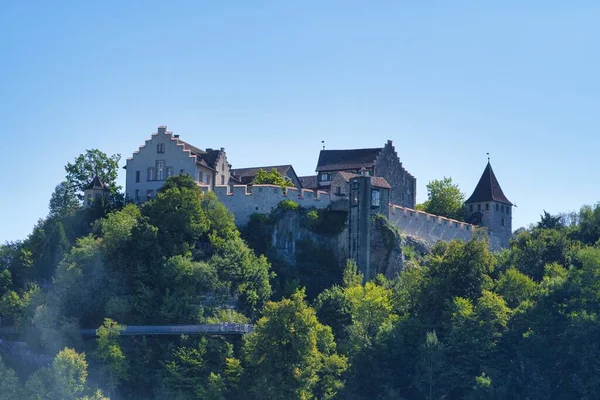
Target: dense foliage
{"points": [[458, 322], [444, 198], [272, 177]]}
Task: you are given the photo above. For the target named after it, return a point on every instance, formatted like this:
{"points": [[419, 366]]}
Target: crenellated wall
{"points": [[243, 200], [433, 228]]}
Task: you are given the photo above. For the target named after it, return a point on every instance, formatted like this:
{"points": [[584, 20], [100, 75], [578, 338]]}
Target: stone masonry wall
{"points": [[428, 227], [433, 228], [404, 185], [264, 198]]}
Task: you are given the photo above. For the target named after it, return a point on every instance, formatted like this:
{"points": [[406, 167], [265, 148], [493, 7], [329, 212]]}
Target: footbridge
{"points": [[160, 330]]}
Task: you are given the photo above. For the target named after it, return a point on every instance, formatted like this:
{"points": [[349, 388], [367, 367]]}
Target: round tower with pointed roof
{"points": [[489, 207]]}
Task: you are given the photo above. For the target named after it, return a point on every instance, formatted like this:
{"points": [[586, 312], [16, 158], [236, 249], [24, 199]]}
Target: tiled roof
{"points": [[337, 160], [246, 175], [376, 181], [309, 182], [96, 183], [193, 149], [488, 189]]}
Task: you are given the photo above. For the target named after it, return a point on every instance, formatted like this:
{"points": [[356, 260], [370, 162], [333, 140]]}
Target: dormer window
{"points": [[160, 148], [325, 177]]}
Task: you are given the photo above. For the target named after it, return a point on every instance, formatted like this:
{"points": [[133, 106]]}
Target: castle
{"points": [[361, 181]]}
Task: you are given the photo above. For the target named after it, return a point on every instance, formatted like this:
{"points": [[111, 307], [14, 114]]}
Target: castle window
{"points": [[502, 208], [137, 176], [222, 179], [478, 207], [471, 208], [375, 198], [137, 194], [150, 194], [497, 206], [160, 170], [160, 148], [169, 172], [325, 177], [508, 209], [150, 175], [487, 206], [200, 176], [502, 221], [181, 171], [223, 167]]}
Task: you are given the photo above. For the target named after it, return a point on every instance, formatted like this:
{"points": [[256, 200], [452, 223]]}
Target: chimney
{"points": [[176, 136], [222, 148], [389, 142], [162, 129]]}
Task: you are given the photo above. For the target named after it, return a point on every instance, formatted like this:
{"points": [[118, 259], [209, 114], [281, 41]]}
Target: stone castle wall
{"points": [[243, 200], [433, 228], [428, 227]]}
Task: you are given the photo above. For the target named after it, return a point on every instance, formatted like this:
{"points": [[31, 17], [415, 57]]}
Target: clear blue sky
{"points": [[446, 81]]}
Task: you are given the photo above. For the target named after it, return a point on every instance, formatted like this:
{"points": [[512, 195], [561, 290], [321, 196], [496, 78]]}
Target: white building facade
{"points": [[164, 155]]}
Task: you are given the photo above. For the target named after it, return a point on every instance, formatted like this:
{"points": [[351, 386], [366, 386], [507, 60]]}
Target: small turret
{"points": [[489, 207], [95, 192]]}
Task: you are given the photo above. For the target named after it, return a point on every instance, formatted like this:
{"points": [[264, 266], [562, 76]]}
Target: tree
{"points": [[195, 371], [65, 379], [64, 201], [291, 355], [9, 383], [549, 221], [272, 177], [178, 213], [93, 163], [430, 367], [109, 352], [444, 198]]}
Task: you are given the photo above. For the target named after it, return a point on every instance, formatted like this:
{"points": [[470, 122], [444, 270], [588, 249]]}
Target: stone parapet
{"points": [[243, 200]]}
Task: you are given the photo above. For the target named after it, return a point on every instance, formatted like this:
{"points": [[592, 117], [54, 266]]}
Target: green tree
{"points": [[93, 163], [109, 352], [64, 201], [444, 198], [179, 214], [430, 366], [290, 355], [548, 221], [195, 372], [272, 177], [10, 386], [66, 379]]}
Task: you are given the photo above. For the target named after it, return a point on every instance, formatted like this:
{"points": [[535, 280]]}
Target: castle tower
{"points": [[489, 207], [94, 192]]}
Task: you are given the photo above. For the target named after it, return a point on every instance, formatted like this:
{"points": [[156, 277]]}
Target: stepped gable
{"points": [[246, 175], [309, 182], [488, 189], [208, 158], [355, 159]]}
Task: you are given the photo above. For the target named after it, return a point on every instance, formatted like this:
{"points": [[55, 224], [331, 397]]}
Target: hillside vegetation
{"points": [[460, 322]]}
